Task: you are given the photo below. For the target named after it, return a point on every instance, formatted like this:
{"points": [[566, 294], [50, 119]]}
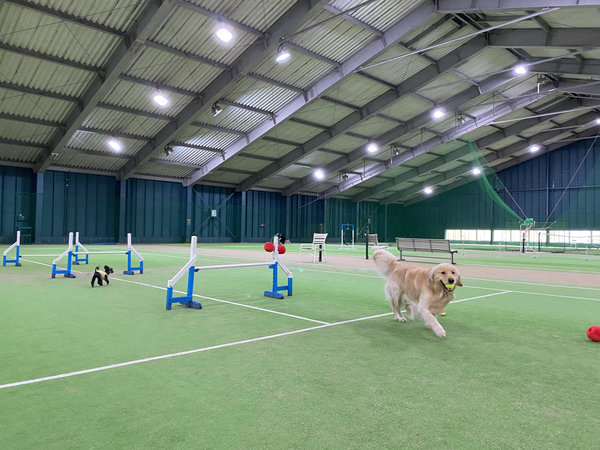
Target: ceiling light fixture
{"points": [[372, 147], [534, 148], [115, 145], [216, 109], [476, 171], [428, 190], [598, 121], [520, 69], [282, 54], [438, 113], [224, 34], [160, 99], [319, 174]]}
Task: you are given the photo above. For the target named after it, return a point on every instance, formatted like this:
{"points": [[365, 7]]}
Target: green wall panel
{"points": [[226, 225], [265, 216], [156, 211], [307, 216], [17, 203]]}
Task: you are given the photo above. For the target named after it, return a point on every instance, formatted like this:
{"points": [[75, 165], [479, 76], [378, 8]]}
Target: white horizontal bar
{"points": [[227, 266]]}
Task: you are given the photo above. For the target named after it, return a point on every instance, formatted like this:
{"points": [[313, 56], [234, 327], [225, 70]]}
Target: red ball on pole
{"points": [[269, 247], [281, 249]]}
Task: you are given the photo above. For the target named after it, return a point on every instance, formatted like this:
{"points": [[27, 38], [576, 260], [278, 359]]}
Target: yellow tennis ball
{"points": [[449, 286]]}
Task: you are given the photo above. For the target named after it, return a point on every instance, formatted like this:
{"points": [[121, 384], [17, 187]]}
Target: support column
{"points": [[189, 212], [288, 216], [122, 210], [243, 210], [39, 208]]}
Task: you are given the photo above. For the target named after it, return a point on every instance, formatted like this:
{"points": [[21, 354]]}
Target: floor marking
{"points": [[203, 296], [198, 350], [481, 296]]}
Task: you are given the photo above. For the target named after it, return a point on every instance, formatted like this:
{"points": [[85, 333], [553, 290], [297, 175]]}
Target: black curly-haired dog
{"points": [[101, 275]]}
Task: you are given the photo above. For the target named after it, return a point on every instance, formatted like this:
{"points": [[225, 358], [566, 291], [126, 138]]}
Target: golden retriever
{"points": [[424, 291]]}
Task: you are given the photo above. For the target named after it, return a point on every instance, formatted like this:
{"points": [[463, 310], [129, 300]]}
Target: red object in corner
{"points": [[593, 333]]}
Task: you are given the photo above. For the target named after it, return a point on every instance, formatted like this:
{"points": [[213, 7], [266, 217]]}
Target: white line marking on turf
{"points": [[202, 296], [198, 350], [481, 296]]}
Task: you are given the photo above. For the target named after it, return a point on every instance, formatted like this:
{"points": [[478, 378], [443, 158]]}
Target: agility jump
{"points": [[72, 253], [191, 269], [130, 249]]}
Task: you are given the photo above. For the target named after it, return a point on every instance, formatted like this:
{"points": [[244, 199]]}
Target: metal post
{"points": [[367, 239], [320, 245]]}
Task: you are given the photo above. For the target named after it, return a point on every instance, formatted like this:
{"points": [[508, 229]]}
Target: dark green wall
{"points": [[17, 202], [562, 185]]}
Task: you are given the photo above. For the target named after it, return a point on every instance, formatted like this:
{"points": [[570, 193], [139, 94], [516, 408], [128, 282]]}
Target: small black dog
{"points": [[101, 275]]}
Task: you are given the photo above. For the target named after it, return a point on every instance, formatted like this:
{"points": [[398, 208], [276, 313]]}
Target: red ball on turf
{"points": [[269, 246], [281, 249], [593, 333]]}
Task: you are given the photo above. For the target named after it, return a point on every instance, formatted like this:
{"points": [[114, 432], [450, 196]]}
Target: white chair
{"points": [[317, 245], [374, 242]]}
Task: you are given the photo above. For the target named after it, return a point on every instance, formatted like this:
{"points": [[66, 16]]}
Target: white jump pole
{"points": [[17, 244], [191, 269], [130, 249], [68, 252]]}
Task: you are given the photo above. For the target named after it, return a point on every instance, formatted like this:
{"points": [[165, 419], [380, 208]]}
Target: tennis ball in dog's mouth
{"points": [[449, 286]]}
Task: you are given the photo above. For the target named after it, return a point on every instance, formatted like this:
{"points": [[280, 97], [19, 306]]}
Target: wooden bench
{"points": [[317, 245], [374, 242], [426, 246]]}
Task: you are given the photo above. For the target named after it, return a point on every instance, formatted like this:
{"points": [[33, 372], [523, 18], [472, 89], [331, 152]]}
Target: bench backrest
{"points": [[423, 245], [373, 239], [319, 238]]}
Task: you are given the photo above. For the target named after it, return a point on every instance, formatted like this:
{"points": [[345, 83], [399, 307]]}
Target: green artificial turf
{"points": [[515, 371]]}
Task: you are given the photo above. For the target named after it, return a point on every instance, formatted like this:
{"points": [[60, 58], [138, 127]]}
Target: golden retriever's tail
{"points": [[384, 261]]}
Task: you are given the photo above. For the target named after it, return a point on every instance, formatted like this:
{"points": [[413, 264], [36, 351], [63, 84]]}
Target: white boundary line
{"points": [[213, 347], [202, 296]]}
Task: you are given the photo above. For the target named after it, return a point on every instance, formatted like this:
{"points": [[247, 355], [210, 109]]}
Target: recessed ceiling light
{"points": [[438, 113], [160, 99], [372, 147], [534, 148], [520, 69], [476, 171], [319, 174], [428, 190], [115, 145], [224, 34]]}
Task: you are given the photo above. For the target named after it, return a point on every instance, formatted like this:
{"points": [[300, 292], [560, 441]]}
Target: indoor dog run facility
{"points": [[192, 193]]}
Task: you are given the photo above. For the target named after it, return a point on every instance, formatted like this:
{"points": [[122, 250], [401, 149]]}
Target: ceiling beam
{"points": [[511, 130], [45, 57], [18, 118], [383, 101], [556, 38], [350, 18], [154, 85], [249, 60], [412, 20], [186, 55], [455, 6], [568, 66], [499, 155], [358, 154], [20, 143], [116, 134], [506, 164], [137, 112], [62, 15], [40, 92], [469, 125], [151, 19]]}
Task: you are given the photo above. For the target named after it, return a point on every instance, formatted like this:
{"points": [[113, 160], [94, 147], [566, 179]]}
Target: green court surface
{"points": [[328, 367]]}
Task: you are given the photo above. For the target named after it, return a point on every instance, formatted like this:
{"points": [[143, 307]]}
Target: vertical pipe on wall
{"points": [[188, 213], [243, 218], [39, 207], [122, 209], [288, 216]]}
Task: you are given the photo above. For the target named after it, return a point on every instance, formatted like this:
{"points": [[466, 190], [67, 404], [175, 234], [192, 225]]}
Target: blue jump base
{"points": [[186, 300], [131, 270]]}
